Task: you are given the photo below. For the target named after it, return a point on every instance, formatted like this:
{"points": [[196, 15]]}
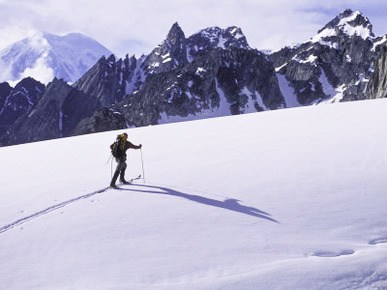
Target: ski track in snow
{"points": [[53, 208], [48, 210]]}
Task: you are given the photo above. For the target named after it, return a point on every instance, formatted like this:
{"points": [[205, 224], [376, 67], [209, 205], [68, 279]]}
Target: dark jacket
{"points": [[128, 145]]}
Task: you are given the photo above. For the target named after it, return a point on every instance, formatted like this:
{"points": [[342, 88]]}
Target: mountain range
{"points": [[209, 74]]}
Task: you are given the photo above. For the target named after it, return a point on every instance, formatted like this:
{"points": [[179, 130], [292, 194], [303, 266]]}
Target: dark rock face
{"points": [[56, 115], [14, 102], [377, 87], [105, 80], [171, 53], [236, 77], [102, 120], [5, 90]]}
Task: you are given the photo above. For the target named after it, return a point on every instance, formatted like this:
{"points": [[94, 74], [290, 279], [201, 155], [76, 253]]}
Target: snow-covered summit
{"points": [[232, 36], [44, 56], [348, 24], [214, 37]]}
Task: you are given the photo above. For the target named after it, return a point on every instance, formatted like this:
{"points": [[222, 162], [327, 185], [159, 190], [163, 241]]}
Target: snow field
{"points": [[287, 199]]}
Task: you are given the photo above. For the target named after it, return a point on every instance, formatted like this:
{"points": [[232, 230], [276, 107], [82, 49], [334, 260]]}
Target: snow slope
{"points": [[287, 199]]}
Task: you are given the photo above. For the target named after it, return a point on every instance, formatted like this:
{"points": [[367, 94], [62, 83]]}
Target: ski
{"points": [[136, 178], [102, 190], [118, 187]]}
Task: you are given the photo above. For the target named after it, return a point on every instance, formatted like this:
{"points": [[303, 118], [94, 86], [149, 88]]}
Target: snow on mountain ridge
{"points": [[364, 30], [218, 37], [349, 23]]}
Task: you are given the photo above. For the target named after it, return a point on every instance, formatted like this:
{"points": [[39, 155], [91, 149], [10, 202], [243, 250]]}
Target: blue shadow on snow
{"points": [[229, 203]]}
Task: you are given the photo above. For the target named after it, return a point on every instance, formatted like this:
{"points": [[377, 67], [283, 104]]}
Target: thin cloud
{"points": [[135, 27]]}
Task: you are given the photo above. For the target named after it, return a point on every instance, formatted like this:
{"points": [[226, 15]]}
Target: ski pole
{"points": [[142, 165], [111, 165], [110, 157], [111, 169]]}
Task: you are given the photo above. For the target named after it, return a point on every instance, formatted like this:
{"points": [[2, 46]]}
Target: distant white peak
{"points": [[43, 55], [37, 41]]}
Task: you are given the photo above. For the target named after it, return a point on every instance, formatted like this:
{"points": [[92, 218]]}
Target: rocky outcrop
{"points": [[105, 80], [377, 87], [102, 120]]}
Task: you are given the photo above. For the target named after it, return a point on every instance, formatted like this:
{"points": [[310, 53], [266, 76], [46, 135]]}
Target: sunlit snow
{"points": [[287, 199]]}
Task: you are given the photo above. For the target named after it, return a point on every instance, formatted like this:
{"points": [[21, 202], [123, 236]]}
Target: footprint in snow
{"points": [[330, 254], [378, 241]]}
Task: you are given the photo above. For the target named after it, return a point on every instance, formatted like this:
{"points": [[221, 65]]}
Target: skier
{"points": [[119, 152]]}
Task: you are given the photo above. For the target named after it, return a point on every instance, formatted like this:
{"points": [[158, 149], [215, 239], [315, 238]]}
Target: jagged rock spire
{"points": [[175, 34], [170, 53]]}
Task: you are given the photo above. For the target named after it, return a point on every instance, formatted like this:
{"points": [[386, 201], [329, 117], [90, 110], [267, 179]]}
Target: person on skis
{"points": [[119, 152]]}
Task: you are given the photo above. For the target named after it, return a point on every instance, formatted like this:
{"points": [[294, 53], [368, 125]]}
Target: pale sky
{"points": [[138, 26]]}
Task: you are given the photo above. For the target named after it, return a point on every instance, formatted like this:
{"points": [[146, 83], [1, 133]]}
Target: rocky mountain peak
{"points": [[336, 64], [231, 34], [175, 34], [347, 24], [214, 37], [169, 54], [355, 18]]}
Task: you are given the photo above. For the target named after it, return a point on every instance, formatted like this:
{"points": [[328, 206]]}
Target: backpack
{"points": [[118, 147]]}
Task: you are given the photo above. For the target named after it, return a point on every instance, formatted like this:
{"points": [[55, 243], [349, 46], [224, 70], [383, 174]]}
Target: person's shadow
{"points": [[229, 203]]}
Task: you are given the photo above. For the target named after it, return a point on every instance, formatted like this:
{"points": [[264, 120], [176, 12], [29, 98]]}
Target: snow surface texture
{"points": [[287, 199]]}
